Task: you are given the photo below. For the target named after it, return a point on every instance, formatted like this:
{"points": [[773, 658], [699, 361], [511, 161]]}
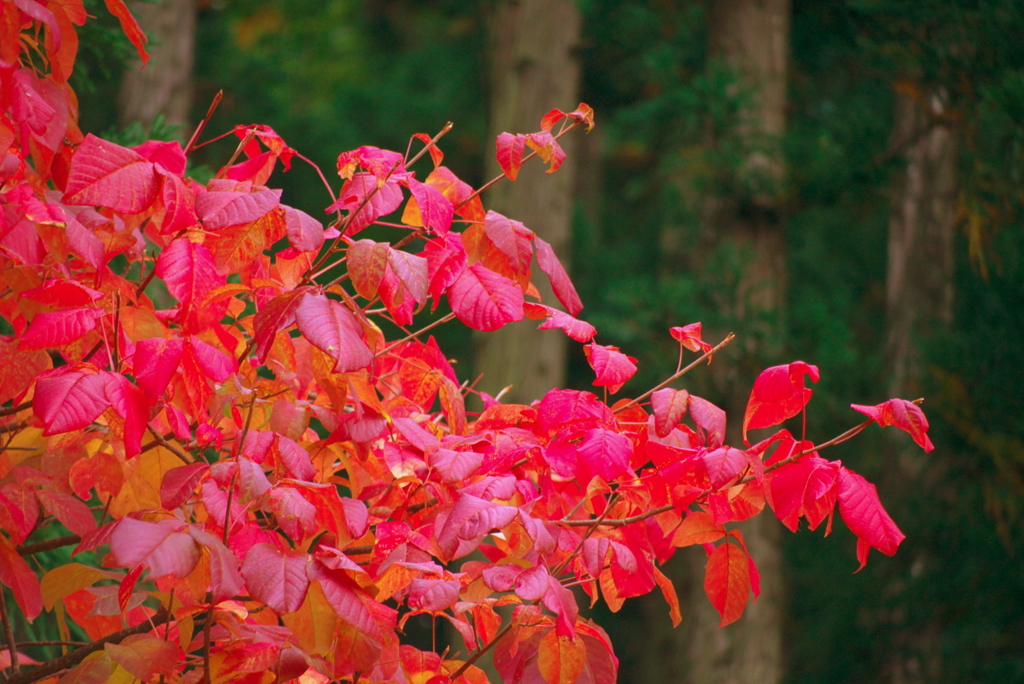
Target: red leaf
{"points": [[54, 329], [778, 394], [455, 466], [108, 175], [613, 368], [485, 300], [669, 408], [436, 155], [334, 330], [74, 514], [863, 514], [22, 580], [129, 402], [581, 331], [668, 590], [560, 283], [277, 315], [39, 13], [727, 582], [689, 337], [509, 151], [179, 203], [154, 364], [214, 364], [69, 398], [446, 259], [367, 263], [130, 27], [127, 587], [179, 484], [433, 594], [167, 155], [806, 487], [189, 271], [906, 415]]}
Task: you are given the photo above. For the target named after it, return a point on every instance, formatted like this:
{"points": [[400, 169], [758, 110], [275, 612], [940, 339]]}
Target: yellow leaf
{"points": [[314, 623], [67, 579], [143, 475], [561, 659]]}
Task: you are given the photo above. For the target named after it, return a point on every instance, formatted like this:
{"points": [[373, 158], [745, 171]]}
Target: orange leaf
{"points": [[668, 590], [560, 659], [697, 528], [727, 582]]}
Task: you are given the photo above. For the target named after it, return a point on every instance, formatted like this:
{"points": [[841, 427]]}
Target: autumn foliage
{"points": [[271, 486]]}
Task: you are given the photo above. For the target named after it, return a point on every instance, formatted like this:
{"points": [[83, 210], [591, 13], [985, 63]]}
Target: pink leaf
{"points": [[433, 594], [581, 331], [613, 368], [295, 459], [863, 514], [215, 364], [277, 315], [108, 175], [723, 465], [669, 408], [560, 601], [334, 330], [69, 398], [179, 202], [305, 233], [130, 403], [532, 584], [222, 208], [604, 453], [381, 201], [23, 581], [54, 329], [190, 273], [165, 547], [485, 300], [446, 259], [454, 466], [225, 580], [412, 271], [778, 394], [512, 239], [169, 155], [367, 263], [709, 418], [906, 415], [560, 283], [689, 337], [436, 210]]}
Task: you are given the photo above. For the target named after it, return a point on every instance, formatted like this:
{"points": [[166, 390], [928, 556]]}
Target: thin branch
{"points": [[52, 643], [9, 634], [173, 448], [44, 670], [202, 124], [238, 151], [675, 376], [48, 545], [433, 141], [444, 319], [10, 411], [480, 652]]}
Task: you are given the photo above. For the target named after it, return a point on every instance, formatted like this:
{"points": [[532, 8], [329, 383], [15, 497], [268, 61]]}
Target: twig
{"points": [[410, 336], [48, 545], [169, 446], [433, 141], [202, 124], [10, 411], [672, 378], [238, 150], [481, 652], [9, 634], [51, 667]]}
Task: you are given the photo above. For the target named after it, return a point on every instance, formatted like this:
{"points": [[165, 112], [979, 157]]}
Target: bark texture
{"points": [[534, 68], [165, 84], [743, 229], [919, 298]]}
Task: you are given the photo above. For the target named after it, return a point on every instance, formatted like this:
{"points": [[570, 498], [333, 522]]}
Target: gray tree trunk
{"points": [[534, 68], [752, 39], [164, 86], [919, 298]]}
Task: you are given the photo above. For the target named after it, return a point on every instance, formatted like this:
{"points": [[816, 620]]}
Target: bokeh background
{"points": [[837, 181]]}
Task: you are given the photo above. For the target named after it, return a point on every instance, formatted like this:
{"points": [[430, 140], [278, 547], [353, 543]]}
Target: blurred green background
{"points": [[889, 185]]}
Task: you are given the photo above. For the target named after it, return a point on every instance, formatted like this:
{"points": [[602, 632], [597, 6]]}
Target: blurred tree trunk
{"points": [[164, 86], [534, 68], [919, 299], [751, 38]]}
